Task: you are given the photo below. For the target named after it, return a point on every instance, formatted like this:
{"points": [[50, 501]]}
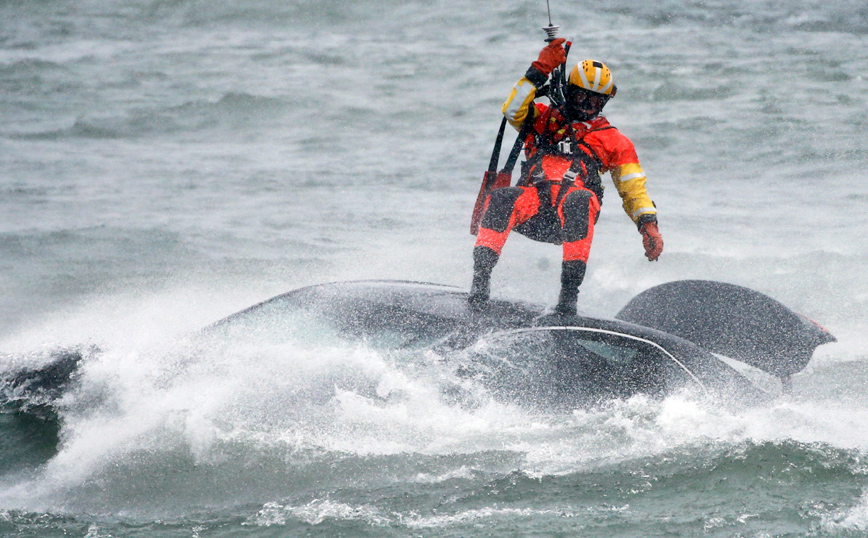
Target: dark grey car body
{"points": [[554, 362]]}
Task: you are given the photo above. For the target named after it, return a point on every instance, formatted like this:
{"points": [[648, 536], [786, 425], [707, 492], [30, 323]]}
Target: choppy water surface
{"points": [[163, 164]]}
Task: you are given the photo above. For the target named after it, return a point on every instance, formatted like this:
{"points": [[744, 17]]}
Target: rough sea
{"points": [[165, 163]]}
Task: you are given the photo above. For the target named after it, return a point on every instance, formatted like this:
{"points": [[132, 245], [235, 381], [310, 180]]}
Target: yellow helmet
{"points": [[593, 76]]}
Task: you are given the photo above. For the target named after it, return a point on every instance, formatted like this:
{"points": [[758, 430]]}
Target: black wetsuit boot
{"points": [[484, 260], [572, 274]]}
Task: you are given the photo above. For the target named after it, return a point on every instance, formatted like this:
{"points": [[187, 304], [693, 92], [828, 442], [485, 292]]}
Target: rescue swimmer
{"points": [[558, 195]]}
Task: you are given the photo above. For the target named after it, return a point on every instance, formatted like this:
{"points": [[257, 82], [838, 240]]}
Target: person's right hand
{"points": [[551, 56]]}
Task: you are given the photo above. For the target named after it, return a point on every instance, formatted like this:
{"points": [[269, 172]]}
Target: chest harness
{"points": [[563, 142]]}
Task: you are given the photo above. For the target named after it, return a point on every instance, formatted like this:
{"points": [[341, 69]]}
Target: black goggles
{"points": [[587, 99]]}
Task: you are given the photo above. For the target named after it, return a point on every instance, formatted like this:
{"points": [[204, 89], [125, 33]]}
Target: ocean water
{"points": [[164, 163]]}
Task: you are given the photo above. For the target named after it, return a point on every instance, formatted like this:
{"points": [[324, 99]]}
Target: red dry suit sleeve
{"points": [[619, 159]]}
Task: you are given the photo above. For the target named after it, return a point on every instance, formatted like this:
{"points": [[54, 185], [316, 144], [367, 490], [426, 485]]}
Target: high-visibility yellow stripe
{"points": [[627, 172], [628, 177], [516, 105]]}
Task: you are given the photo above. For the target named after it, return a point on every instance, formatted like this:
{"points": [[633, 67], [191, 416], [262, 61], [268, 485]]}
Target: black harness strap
{"points": [[586, 164], [589, 165], [519, 143], [495, 152]]}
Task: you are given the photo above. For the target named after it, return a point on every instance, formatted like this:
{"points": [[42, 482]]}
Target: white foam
{"points": [[317, 511], [355, 400], [462, 472], [852, 519]]}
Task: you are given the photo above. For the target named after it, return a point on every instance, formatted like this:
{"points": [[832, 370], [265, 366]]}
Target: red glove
{"points": [[651, 240], [551, 56]]}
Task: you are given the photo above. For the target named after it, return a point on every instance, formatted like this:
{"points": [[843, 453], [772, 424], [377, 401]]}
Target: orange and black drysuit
{"points": [[558, 195]]}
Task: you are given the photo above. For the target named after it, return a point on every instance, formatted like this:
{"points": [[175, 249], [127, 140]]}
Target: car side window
{"points": [[572, 367]]}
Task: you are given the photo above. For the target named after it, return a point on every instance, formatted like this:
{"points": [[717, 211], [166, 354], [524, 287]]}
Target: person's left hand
{"points": [[651, 240]]}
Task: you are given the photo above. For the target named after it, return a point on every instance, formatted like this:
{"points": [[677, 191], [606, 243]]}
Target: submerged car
{"points": [[677, 336], [668, 338]]}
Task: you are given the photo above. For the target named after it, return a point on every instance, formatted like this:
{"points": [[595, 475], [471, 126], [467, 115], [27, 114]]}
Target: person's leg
{"points": [[484, 260], [578, 213], [507, 207]]}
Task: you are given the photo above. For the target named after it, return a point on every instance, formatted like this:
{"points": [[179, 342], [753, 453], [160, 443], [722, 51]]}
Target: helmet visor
{"points": [[586, 101]]}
